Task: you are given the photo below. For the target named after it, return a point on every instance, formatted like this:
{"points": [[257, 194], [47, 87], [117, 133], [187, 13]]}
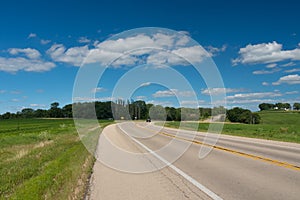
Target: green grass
{"points": [[280, 126], [43, 159]]}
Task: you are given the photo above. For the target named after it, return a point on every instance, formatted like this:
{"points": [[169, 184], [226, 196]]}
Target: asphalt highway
{"points": [[235, 168]]}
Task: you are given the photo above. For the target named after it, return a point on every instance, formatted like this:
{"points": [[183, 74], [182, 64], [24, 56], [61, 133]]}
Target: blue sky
{"points": [[255, 45]]}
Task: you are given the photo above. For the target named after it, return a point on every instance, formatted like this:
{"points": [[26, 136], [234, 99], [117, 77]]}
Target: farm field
{"points": [[43, 159], [275, 125]]}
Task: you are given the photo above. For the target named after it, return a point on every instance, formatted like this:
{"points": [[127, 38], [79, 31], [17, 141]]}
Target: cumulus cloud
{"points": [[218, 91], [98, 89], [292, 92], [289, 64], [84, 40], [215, 50], [73, 56], [155, 49], [291, 79], [272, 71], [13, 65], [173, 92], [265, 83], [271, 65], [37, 105], [141, 98], [255, 95], [32, 35], [28, 52], [292, 70], [44, 42], [271, 52], [252, 98]]}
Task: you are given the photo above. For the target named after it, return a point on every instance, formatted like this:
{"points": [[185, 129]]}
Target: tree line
{"points": [[116, 110], [278, 106], [134, 110]]}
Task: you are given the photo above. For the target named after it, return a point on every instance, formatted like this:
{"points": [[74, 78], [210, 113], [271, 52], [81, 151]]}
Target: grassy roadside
{"points": [[43, 159], [279, 126]]}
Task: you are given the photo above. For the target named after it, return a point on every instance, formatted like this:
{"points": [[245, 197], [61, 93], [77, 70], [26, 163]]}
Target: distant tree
{"points": [[6, 115], [27, 113], [266, 106], [54, 105], [39, 113], [157, 112], [283, 106], [255, 118], [243, 116], [296, 106], [67, 111], [55, 111], [171, 113]]}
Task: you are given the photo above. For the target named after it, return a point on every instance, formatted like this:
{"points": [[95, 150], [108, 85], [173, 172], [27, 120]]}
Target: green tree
{"points": [[27, 112], [243, 116], [296, 106], [55, 111], [67, 111], [39, 113], [266, 106]]}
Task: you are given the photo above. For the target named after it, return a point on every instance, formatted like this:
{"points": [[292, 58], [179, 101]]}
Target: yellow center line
{"points": [[255, 157]]}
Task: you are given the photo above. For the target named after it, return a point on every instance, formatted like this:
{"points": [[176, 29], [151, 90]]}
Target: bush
{"points": [[243, 116]]}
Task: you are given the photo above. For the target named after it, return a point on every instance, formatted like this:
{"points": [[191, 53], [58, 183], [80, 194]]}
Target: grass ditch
{"points": [[43, 159], [275, 125]]}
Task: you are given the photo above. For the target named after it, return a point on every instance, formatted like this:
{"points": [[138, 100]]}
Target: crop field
{"points": [[275, 125], [43, 159]]}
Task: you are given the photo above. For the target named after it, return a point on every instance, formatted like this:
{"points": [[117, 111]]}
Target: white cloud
{"points": [[292, 70], [266, 53], [15, 100], [289, 64], [44, 42], [98, 89], [184, 33], [154, 49], [28, 52], [145, 84], [31, 35], [173, 92], [265, 83], [215, 50], [292, 92], [84, 40], [13, 65], [74, 55], [218, 91], [271, 65], [252, 98], [182, 41], [289, 79], [255, 95], [87, 99], [192, 103], [37, 105], [272, 71], [193, 54], [162, 103], [140, 97]]}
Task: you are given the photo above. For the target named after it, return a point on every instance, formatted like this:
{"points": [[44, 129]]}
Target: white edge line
{"points": [[184, 175]]}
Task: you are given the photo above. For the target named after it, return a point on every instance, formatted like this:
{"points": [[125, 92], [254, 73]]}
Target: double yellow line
{"points": [[255, 157]]}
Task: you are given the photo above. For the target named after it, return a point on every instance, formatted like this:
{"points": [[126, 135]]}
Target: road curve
{"points": [[236, 168]]}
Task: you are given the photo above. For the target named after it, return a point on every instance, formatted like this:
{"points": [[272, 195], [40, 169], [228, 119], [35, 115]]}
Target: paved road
{"points": [[236, 168]]}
